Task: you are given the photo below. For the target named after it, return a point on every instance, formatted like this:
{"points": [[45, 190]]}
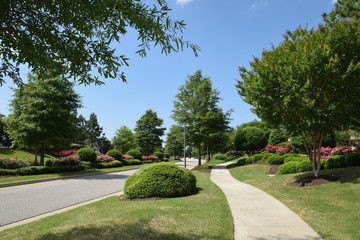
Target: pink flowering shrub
{"points": [[327, 152], [104, 158], [12, 163], [127, 156], [66, 152], [288, 148]]}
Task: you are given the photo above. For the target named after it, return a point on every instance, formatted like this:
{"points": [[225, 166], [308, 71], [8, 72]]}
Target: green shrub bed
{"points": [[87, 155], [220, 156], [295, 167], [112, 164], [34, 170], [160, 180]]}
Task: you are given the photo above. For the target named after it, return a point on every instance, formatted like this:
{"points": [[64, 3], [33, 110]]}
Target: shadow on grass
{"points": [[345, 175], [139, 230], [233, 165], [7, 151]]}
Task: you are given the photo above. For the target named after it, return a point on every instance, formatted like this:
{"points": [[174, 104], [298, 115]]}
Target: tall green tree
{"points": [[4, 136], [43, 114], [93, 130], [124, 139], [345, 9], [149, 131], [175, 140], [76, 37], [104, 144], [196, 106], [309, 84]]}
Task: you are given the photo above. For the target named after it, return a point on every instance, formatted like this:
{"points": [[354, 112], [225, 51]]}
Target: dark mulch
{"points": [[273, 170], [207, 170], [309, 181]]}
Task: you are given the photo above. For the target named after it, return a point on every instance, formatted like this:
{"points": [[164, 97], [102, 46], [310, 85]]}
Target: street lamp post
{"points": [[184, 145]]}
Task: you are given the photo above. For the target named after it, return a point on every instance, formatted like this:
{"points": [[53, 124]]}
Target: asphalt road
{"points": [[26, 201]]}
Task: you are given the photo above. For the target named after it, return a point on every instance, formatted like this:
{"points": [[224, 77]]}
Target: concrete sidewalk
{"points": [[256, 214]]}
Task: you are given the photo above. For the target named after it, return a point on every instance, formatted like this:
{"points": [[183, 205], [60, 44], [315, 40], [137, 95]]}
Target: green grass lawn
{"points": [[204, 215], [24, 155], [332, 209]]}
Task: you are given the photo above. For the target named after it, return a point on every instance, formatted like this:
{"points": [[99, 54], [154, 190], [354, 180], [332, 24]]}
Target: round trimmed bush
{"points": [[241, 162], [135, 153], [115, 154], [159, 154], [295, 167], [131, 162], [160, 180], [87, 155], [353, 159], [220, 156], [337, 161], [295, 159], [275, 159]]}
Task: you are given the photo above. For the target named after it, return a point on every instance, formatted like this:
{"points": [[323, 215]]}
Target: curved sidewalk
{"points": [[256, 214]]}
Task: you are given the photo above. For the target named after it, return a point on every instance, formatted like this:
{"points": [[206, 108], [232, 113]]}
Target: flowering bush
{"points": [[12, 163], [66, 152], [104, 158], [288, 148], [327, 152], [127, 156]]}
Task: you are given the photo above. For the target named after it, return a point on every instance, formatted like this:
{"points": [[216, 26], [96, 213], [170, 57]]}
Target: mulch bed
{"points": [[309, 181], [207, 170]]}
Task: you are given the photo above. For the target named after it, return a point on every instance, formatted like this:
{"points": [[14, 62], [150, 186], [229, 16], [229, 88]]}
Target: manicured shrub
{"points": [[275, 159], [116, 154], [160, 180], [85, 165], [87, 155], [132, 162], [276, 136], [220, 156], [135, 153], [295, 159], [12, 163], [63, 161], [250, 139], [112, 164], [40, 170], [166, 155], [159, 154], [295, 167], [337, 161], [241, 162], [287, 168], [353, 159], [266, 155]]}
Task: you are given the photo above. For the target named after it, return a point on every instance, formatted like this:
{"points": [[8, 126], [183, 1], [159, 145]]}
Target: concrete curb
{"points": [[19, 183]]}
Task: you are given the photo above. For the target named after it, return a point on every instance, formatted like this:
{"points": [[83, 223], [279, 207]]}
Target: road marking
{"points": [[28, 220]]}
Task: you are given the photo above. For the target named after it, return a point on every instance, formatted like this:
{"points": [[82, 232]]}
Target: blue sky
{"points": [[229, 33]]}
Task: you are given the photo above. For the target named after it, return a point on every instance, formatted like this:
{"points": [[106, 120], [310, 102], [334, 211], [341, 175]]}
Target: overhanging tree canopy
{"points": [[74, 37], [309, 83]]}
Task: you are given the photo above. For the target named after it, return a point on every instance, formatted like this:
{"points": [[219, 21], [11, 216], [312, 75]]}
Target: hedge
{"points": [[160, 180]]}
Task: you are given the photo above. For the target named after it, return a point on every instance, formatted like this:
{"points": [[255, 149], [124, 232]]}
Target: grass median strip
{"points": [[332, 209], [204, 215]]}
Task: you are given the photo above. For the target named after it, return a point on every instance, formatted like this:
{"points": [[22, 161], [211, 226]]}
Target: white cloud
{"points": [[258, 4], [183, 2]]}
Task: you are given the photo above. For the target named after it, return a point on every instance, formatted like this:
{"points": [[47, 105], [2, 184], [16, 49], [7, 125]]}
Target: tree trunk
{"points": [[199, 158], [313, 144], [42, 156], [208, 154]]}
